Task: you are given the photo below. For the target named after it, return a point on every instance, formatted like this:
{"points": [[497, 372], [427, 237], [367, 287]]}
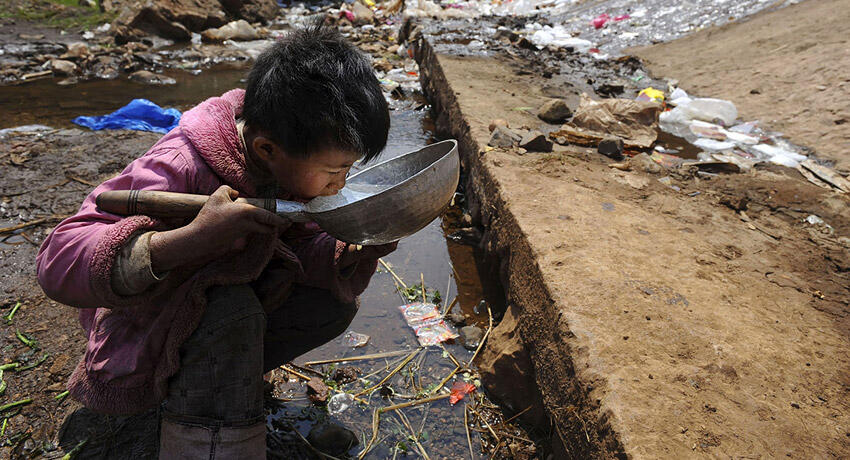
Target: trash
{"points": [[339, 403], [705, 109], [711, 144], [427, 323], [666, 160], [820, 223], [355, 339], [710, 130], [560, 37], [236, 30], [650, 94], [600, 21], [459, 390], [138, 115], [823, 176], [779, 155], [632, 121]]}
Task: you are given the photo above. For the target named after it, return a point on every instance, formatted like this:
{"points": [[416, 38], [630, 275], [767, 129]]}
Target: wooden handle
{"points": [[163, 204]]}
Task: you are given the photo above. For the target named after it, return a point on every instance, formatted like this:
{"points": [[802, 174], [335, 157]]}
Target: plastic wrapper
{"points": [[355, 339], [139, 115], [427, 323]]}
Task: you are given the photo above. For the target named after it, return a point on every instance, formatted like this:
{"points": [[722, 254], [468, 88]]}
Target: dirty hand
{"points": [[222, 226], [356, 252]]}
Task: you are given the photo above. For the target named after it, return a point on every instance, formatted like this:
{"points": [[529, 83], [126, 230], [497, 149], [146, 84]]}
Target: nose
{"points": [[339, 183]]}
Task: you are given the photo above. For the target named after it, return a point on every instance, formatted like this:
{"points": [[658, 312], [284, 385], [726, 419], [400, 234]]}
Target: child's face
{"points": [[322, 174]]}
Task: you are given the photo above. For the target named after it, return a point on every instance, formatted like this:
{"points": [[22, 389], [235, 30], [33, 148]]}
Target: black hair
{"points": [[312, 89]]}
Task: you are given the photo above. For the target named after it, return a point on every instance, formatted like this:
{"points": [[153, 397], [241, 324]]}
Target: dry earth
{"points": [[660, 323], [787, 68]]}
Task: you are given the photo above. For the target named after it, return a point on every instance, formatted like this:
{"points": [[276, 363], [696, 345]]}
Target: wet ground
{"points": [[52, 170]]}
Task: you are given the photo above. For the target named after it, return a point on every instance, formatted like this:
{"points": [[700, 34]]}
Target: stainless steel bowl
{"points": [[392, 199]]}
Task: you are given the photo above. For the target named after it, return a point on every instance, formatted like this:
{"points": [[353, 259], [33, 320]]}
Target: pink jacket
{"points": [[133, 342]]}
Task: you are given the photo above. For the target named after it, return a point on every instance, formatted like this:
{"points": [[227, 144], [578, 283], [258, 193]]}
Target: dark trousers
{"points": [[220, 381]]}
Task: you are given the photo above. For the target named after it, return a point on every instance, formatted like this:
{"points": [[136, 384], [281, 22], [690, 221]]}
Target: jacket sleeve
{"points": [[75, 262], [319, 254]]}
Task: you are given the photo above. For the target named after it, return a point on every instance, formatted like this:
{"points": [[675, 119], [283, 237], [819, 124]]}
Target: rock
{"points": [[62, 67], [149, 78], [237, 30], [525, 43], [456, 316], [642, 162], [153, 21], [506, 369], [471, 336], [262, 11], [317, 391], [536, 141], [346, 374], [497, 122], [362, 13], [611, 147], [503, 137], [554, 111], [77, 50], [59, 363], [332, 439]]}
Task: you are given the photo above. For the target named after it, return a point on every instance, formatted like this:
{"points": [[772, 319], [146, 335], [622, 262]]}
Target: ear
{"points": [[265, 148]]}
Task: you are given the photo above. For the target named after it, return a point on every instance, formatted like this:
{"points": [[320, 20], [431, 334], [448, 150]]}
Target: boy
{"points": [[188, 316]]}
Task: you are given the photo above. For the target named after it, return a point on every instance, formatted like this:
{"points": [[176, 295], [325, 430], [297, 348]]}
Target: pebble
{"points": [[497, 122], [503, 137], [536, 141], [471, 336], [611, 147], [332, 439], [63, 67], [554, 111]]}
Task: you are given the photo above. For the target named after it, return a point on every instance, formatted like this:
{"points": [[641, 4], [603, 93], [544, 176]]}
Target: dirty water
{"points": [[447, 267], [44, 102]]}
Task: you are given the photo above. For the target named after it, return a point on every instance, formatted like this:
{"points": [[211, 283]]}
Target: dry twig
{"points": [[386, 354]]}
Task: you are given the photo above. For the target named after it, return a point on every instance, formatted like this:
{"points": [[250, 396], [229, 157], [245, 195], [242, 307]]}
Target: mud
{"points": [[657, 320]]}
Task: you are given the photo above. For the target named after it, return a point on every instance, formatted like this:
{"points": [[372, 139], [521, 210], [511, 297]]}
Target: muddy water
{"points": [[447, 267], [46, 103]]}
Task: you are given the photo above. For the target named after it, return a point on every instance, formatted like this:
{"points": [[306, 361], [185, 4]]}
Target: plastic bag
{"points": [[427, 323], [138, 115]]}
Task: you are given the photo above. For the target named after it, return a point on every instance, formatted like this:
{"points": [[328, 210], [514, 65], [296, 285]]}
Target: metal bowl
{"points": [[392, 199]]}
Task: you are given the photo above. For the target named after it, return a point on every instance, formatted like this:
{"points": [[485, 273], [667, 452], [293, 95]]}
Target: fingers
{"points": [[268, 218]]}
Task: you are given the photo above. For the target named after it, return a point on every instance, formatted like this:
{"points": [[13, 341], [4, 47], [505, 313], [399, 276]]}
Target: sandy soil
{"points": [[787, 68], [660, 323]]}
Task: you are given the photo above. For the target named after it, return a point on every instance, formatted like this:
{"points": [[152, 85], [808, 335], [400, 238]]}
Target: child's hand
{"points": [[222, 226], [356, 252]]}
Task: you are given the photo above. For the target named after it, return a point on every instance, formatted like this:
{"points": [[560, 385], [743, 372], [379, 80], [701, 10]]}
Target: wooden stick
{"points": [[376, 421], [413, 403], [397, 278], [450, 306], [443, 382], [406, 423], [386, 354], [392, 373], [516, 415], [33, 223], [468, 437], [422, 281], [295, 373], [483, 339], [306, 369]]}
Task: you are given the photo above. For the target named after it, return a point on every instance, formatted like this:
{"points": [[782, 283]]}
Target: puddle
{"points": [[450, 268], [46, 103]]}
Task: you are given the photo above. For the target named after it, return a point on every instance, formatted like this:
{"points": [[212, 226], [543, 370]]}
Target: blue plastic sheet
{"points": [[138, 115]]}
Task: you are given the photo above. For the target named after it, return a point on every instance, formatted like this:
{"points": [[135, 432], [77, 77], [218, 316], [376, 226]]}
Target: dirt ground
{"points": [[704, 321], [787, 68], [46, 175]]}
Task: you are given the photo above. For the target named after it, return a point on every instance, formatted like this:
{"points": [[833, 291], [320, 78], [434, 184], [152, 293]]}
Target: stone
{"points": [[536, 141], [497, 122], [332, 439], [525, 43], [471, 336], [149, 78], [62, 67], [237, 30], [611, 147], [77, 50], [362, 13], [456, 316], [317, 391], [642, 162], [503, 137], [554, 111]]}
